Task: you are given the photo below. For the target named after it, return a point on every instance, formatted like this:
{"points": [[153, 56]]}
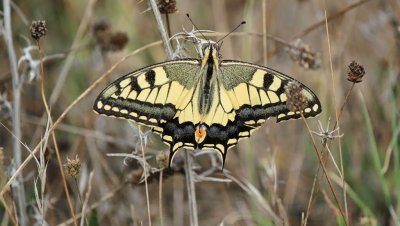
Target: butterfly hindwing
{"points": [[258, 93]]}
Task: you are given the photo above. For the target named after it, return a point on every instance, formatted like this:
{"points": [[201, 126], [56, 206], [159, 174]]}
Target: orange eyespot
{"points": [[200, 134]]}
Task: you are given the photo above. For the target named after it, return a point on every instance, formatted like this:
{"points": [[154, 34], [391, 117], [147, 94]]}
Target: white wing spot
{"points": [[315, 107], [100, 105]]}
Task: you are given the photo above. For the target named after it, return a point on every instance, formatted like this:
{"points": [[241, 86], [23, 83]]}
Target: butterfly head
{"points": [[211, 53]]}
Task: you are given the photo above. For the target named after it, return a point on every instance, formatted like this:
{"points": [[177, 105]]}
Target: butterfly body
{"points": [[202, 103]]}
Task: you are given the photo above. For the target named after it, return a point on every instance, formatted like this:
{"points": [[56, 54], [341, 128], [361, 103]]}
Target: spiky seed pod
{"points": [[296, 100], [101, 26], [107, 39], [38, 29], [356, 72], [73, 167], [167, 6], [118, 40], [303, 55]]}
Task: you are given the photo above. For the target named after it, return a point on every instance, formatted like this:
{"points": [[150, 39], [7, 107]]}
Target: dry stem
{"points": [[324, 169], [16, 116], [42, 77]]}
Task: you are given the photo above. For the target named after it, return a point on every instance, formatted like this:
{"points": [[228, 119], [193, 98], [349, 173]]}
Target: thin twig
{"points": [[311, 199], [160, 25], [160, 202], [343, 105], [331, 70], [145, 177], [257, 196], [264, 13], [336, 112], [325, 146], [191, 189], [53, 134], [329, 19], [71, 56], [42, 174], [60, 165], [322, 22], [168, 24], [60, 83], [13, 217], [188, 167], [20, 13], [16, 116], [85, 203], [324, 169], [94, 205]]}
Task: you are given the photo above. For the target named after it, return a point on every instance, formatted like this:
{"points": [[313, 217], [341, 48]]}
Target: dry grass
{"points": [[283, 175]]}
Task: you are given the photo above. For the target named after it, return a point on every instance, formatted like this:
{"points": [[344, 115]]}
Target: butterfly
{"points": [[204, 103]]}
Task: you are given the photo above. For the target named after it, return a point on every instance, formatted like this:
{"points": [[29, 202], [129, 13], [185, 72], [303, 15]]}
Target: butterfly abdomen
{"points": [[207, 86]]}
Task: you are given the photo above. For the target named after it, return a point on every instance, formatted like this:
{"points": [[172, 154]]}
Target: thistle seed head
{"points": [[296, 100], [356, 72], [38, 29]]}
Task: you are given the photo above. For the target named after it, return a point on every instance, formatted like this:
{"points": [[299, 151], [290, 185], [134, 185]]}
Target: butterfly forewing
{"points": [[150, 95]]}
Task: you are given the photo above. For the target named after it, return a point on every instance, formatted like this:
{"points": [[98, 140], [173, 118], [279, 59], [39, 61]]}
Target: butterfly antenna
{"points": [[187, 14], [243, 22]]}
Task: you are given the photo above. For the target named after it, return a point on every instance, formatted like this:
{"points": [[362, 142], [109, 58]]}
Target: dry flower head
{"points": [[356, 72], [107, 39], [167, 6], [296, 100], [38, 29], [73, 167], [303, 55]]}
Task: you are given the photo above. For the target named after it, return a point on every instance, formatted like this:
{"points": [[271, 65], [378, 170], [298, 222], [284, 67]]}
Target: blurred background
{"points": [[271, 178]]}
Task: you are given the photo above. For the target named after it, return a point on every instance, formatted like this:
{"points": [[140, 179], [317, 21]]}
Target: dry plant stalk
{"points": [[16, 115]]}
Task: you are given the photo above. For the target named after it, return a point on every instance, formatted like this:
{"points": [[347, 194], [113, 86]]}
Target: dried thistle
{"points": [[303, 55], [73, 167], [38, 29], [296, 100], [162, 159], [108, 40], [167, 6], [118, 41], [101, 26], [327, 134], [356, 72]]}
